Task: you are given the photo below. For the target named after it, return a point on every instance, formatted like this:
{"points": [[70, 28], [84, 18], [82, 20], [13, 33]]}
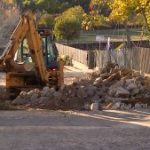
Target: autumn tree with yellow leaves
{"points": [[124, 10]]}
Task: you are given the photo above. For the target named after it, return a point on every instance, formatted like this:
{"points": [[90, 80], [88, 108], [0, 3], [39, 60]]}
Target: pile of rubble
{"points": [[49, 98], [117, 87]]}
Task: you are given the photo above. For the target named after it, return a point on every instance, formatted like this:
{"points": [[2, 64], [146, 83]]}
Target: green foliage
{"points": [[76, 12], [83, 3], [102, 6], [68, 25], [123, 11], [71, 3], [47, 20], [51, 6], [66, 28], [93, 20]]}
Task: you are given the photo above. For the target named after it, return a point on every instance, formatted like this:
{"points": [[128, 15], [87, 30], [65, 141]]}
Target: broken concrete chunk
{"points": [[131, 86], [43, 100], [34, 96], [98, 81], [122, 92], [57, 94], [46, 92], [94, 107], [135, 91], [91, 90], [116, 105], [20, 101], [87, 106], [138, 106]]}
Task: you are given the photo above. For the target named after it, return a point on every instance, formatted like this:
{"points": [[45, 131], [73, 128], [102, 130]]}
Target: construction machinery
{"points": [[31, 59]]}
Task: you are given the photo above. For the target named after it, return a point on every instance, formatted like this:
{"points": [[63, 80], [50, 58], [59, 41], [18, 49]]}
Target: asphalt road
{"points": [[51, 130]]}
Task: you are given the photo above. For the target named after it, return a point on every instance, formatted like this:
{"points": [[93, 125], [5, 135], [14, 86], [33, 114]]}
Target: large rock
{"points": [[135, 91], [43, 100], [122, 92], [116, 105], [20, 101], [131, 86], [23, 94], [91, 90], [47, 92], [113, 88], [82, 92], [125, 106], [32, 92], [138, 106], [57, 94], [34, 97], [129, 81], [87, 106], [95, 98]]}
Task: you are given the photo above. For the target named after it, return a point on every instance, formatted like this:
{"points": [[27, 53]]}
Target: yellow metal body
{"points": [[16, 74]]}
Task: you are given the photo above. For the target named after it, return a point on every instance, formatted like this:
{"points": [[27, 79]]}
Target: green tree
{"points": [[142, 8], [50, 6], [125, 11], [47, 20], [68, 25], [66, 28], [93, 21], [76, 12], [102, 6], [83, 3]]}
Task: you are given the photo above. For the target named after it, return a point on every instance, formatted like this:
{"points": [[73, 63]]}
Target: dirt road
{"points": [[71, 73], [44, 130]]}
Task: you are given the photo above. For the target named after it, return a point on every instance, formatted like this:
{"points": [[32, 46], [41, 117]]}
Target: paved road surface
{"points": [[50, 130]]}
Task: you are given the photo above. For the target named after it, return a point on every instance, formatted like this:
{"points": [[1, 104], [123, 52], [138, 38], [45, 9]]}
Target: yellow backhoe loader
{"points": [[31, 59]]}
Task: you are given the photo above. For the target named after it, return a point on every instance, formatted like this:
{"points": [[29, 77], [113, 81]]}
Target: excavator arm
{"points": [[25, 29], [18, 35]]}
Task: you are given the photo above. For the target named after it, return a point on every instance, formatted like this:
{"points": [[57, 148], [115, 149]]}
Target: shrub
{"points": [[47, 20], [68, 25]]}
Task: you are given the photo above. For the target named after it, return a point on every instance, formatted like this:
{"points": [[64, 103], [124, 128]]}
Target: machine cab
{"points": [[50, 52]]}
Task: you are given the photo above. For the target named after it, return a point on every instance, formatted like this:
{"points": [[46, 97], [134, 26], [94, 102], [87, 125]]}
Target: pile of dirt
{"points": [[120, 87]]}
